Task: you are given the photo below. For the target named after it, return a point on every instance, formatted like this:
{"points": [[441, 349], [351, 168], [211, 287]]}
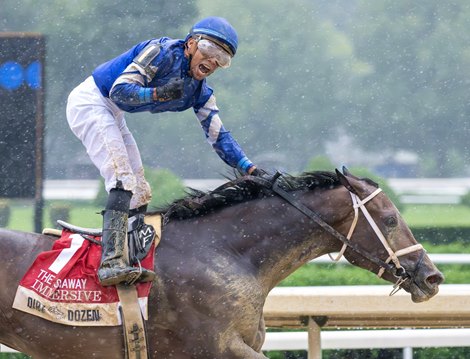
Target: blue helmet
{"points": [[219, 30]]}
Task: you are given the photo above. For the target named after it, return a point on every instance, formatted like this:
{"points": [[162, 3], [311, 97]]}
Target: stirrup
{"points": [[142, 276], [119, 278], [133, 277]]}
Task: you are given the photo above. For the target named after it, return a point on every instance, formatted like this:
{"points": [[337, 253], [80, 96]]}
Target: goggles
{"points": [[210, 50]]}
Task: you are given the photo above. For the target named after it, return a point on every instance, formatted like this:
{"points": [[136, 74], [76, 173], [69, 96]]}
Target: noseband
{"points": [[396, 268]]}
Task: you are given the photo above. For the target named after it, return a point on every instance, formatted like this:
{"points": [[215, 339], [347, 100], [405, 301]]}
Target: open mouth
{"points": [[204, 69]]}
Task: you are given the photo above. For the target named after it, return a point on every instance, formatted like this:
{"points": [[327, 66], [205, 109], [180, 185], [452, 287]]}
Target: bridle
{"points": [[391, 264], [392, 256]]}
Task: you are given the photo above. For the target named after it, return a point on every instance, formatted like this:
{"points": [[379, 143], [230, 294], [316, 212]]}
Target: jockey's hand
{"points": [[258, 172], [173, 90]]}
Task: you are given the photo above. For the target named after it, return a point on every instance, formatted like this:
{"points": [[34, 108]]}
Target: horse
{"points": [[221, 252]]}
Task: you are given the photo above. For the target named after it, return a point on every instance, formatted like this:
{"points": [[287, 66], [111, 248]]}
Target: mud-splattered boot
{"points": [[115, 267]]}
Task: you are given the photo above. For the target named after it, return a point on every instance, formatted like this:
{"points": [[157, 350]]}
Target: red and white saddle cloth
{"points": [[62, 285]]}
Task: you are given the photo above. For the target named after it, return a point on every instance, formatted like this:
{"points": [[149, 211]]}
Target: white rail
{"points": [[371, 339]]}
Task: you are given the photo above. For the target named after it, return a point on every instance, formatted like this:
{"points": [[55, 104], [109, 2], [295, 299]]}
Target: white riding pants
{"points": [[102, 128]]}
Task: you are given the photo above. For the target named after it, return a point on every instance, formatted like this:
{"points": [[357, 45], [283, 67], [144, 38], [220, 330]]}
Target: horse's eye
{"points": [[391, 221]]}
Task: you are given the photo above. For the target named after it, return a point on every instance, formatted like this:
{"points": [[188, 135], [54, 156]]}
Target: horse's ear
{"points": [[346, 172], [344, 180]]}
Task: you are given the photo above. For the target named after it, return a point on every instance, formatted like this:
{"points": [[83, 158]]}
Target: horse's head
{"points": [[382, 242]]}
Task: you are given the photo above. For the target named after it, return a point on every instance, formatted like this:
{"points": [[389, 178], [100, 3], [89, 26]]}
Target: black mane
{"points": [[243, 189]]}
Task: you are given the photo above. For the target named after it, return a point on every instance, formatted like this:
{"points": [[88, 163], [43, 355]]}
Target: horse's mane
{"points": [[243, 189]]}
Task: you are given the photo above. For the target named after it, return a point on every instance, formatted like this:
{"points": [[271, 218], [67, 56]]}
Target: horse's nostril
{"points": [[435, 279]]}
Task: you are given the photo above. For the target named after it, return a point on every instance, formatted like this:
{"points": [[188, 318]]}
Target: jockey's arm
{"points": [[131, 87], [220, 139]]}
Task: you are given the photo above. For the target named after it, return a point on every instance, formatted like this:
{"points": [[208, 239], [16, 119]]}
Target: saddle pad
{"points": [[62, 285]]}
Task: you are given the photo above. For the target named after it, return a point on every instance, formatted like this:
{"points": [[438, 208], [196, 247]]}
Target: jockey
{"points": [[157, 75]]}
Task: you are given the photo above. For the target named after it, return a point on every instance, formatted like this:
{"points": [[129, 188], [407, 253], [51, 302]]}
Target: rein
{"points": [[400, 271]]}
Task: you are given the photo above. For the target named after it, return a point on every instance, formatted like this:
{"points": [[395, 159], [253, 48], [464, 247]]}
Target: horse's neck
{"points": [[288, 239]]}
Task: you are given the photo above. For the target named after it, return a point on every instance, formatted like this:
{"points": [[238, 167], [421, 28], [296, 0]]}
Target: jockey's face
{"points": [[200, 66]]}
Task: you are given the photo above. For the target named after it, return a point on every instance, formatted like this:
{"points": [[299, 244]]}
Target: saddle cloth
{"points": [[62, 285]]}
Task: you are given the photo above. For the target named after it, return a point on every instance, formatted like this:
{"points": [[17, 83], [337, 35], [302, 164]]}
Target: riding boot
{"points": [[115, 267]]}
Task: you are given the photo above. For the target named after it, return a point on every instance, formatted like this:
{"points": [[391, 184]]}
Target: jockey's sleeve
{"points": [[130, 87], [219, 138]]}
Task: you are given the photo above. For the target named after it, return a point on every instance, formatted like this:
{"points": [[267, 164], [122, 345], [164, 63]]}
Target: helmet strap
{"points": [[190, 57]]}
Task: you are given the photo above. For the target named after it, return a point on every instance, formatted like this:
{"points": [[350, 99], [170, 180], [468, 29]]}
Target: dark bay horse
{"points": [[221, 253]]}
